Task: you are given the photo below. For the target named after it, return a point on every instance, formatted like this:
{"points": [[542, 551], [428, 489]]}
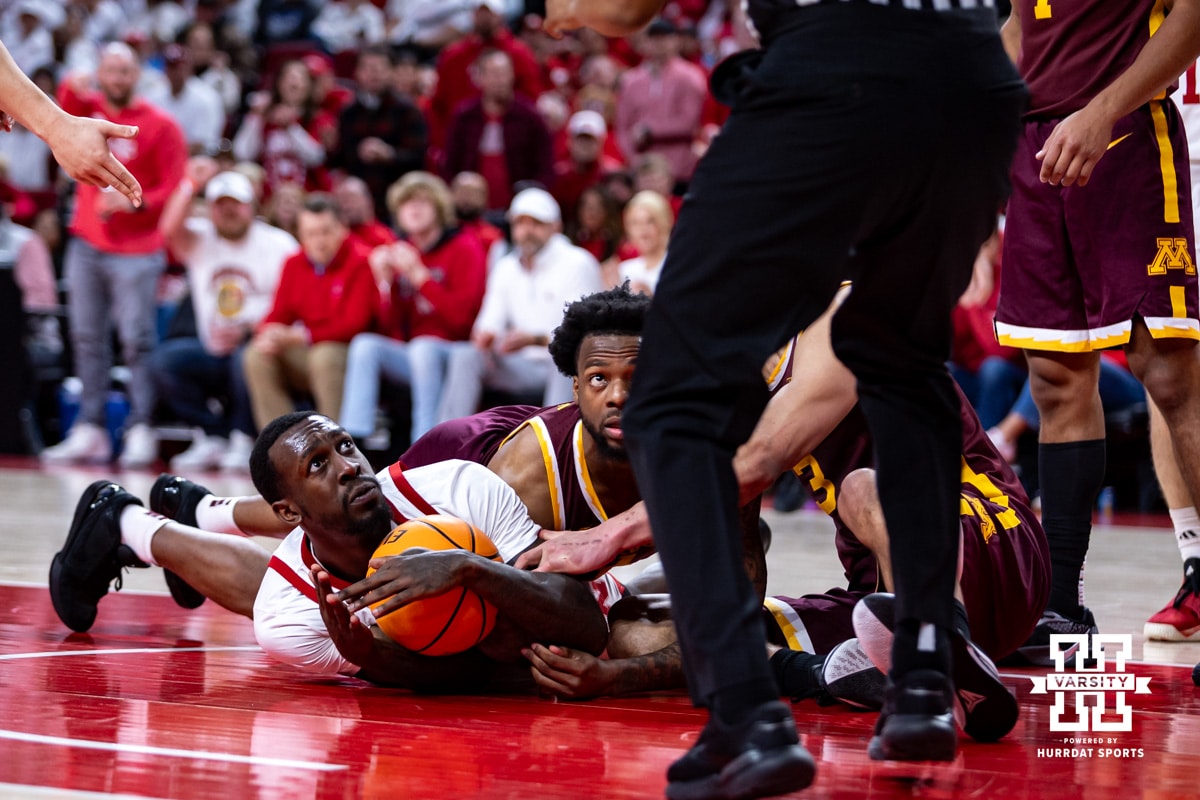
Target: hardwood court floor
{"points": [[159, 702]]}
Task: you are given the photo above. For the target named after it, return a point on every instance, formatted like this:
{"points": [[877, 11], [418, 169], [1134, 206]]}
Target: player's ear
{"points": [[287, 511], [575, 388]]}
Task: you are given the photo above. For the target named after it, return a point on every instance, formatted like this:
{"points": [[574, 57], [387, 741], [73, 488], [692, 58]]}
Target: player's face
{"points": [[329, 480], [605, 369]]}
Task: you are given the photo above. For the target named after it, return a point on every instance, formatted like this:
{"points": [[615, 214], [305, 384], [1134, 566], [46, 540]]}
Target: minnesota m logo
{"points": [[1172, 254]]}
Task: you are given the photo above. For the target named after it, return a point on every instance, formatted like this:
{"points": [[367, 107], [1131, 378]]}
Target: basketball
{"points": [[446, 623]]}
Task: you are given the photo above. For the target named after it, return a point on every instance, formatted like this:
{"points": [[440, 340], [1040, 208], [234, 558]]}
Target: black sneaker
{"points": [[92, 557], [176, 498], [985, 708], [1036, 650], [759, 757], [848, 676], [916, 723]]}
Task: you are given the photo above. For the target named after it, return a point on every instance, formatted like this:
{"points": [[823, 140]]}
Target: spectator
{"points": [[28, 163], [523, 304], [381, 135], [193, 104], [653, 172], [597, 226], [357, 211], [431, 284], [105, 21], [349, 25], [27, 255], [648, 221], [470, 193], [455, 67], [585, 162], [326, 296], [115, 259], [212, 65], [30, 43], [283, 209], [76, 53], [286, 132], [285, 21], [660, 101], [327, 94], [499, 135], [158, 20], [233, 263]]}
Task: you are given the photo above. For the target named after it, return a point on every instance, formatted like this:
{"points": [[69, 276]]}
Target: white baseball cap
{"points": [[535, 203], [495, 6], [230, 184], [587, 122]]}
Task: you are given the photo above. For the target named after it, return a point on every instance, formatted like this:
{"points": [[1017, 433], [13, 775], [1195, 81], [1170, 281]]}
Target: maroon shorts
{"points": [[1005, 584], [1080, 263]]}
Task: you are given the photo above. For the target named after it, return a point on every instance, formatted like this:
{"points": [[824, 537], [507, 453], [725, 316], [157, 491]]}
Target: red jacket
{"points": [[334, 305], [446, 305], [156, 157]]}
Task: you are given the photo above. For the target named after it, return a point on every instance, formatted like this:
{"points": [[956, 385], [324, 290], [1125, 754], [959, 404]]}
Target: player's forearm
{"points": [[1171, 50], [628, 532], [614, 17], [655, 671], [554, 608]]}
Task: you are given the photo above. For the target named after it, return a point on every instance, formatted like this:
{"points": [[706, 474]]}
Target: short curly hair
{"points": [[615, 311]]}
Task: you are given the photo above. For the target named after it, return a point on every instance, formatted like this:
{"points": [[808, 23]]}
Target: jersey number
{"points": [[808, 470]]}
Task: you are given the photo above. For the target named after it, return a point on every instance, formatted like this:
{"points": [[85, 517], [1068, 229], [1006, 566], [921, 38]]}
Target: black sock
{"points": [[1071, 474], [796, 673], [733, 704], [907, 656]]}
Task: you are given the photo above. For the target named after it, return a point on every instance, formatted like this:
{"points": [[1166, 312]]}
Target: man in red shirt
{"points": [[357, 209], [326, 295], [114, 260], [586, 161], [454, 82]]}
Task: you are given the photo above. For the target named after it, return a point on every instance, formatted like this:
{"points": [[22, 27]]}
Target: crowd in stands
{"points": [[342, 199]]}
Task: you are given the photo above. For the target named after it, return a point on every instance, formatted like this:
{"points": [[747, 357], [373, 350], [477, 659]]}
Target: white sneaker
{"points": [[204, 454], [237, 456], [85, 444], [141, 447], [1004, 446]]}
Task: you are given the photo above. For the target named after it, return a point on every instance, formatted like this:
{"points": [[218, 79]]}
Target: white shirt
{"points": [[635, 271], [233, 283], [198, 109], [341, 27], [532, 300], [287, 622]]}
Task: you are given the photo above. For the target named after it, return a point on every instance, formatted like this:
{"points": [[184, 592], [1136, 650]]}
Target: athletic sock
{"points": [[732, 704], [1187, 531], [796, 673], [138, 526], [216, 514], [920, 645], [1071, 476]]}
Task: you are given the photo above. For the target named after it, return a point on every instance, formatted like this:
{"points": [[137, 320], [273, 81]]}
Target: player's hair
{"points": [[262, 472], [615, 311]]}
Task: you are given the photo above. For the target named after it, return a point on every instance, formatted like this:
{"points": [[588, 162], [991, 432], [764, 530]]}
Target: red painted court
{"points": [[159, 702]]}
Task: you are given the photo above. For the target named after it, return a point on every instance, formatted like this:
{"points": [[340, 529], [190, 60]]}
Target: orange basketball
{"points": [[446, 623]]}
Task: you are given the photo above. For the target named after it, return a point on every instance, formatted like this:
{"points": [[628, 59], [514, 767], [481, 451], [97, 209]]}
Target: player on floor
{"points": [[319, 484], [1004, 564], [1099, 250]]}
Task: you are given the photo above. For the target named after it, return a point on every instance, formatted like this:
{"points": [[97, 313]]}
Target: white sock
{"points": [[138, 526], [1187, 531], [216, 514]]}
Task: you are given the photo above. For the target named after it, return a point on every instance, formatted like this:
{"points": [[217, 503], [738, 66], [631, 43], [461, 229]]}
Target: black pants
{"points": [[869, 144]]}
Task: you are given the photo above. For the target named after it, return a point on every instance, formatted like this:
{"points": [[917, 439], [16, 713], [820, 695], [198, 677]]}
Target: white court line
{"points": [[21, 791], [138, 592], [133, 650], [205, 755]]}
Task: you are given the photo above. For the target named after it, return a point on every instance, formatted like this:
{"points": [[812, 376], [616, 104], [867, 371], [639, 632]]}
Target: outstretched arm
{"points": [[79, 144], [609, 17], [618, 540]]}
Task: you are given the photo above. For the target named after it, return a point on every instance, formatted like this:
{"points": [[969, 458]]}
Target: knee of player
{"points": [[1170, 380], [858, 506]]}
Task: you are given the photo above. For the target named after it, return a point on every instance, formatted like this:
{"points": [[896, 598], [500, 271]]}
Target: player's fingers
{"points": [[530, 558], [113, 130], [121, 179], [553, 660]]}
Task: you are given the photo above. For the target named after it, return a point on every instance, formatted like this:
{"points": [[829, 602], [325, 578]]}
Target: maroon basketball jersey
{"points": [[474, 438], [1071, 49]]}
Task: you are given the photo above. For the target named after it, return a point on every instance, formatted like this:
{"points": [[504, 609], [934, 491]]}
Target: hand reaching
{"points": [[80, 145]]}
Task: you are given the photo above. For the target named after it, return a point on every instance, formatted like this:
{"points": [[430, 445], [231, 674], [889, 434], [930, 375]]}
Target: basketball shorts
{"points": [[1081, 262]]}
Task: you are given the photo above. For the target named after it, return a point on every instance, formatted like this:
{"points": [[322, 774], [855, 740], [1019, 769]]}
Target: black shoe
{"points": [[1036, 650], [916, 723], [985, 708], [176, 498], [848, 676], [759, 757], [93, 556]]}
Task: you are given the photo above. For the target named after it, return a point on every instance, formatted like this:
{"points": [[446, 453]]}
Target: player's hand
{"points": [[351, 638], [1074, 148], [560, 17], [584, 553], [568, 673], [410, 576], [80, 145]]}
